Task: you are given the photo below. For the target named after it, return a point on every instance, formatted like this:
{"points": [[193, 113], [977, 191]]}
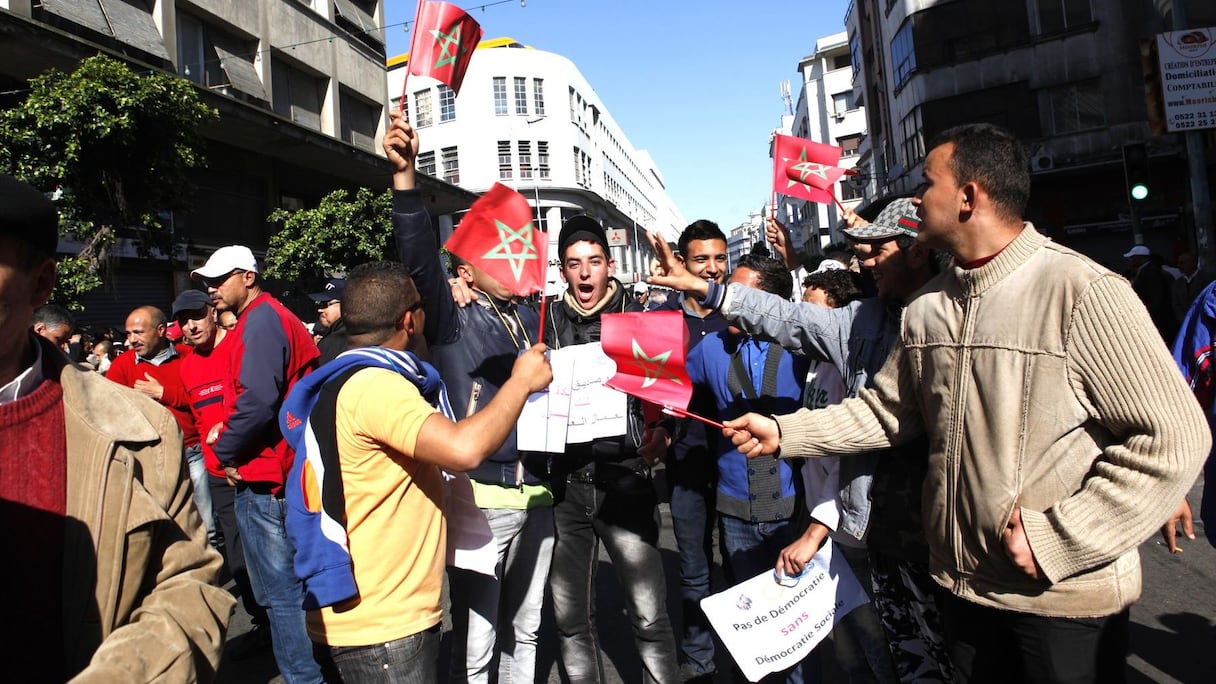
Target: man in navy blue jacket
{"points": [[475, 347]]}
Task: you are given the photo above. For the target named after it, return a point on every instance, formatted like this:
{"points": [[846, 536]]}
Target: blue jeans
{"points": [[525, 551], [692, 519], [753, 548], [627, 522], [269, 558], [409, 660], [202, 489]]}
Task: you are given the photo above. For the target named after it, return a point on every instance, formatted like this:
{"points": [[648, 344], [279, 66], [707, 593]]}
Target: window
{"points": [[395, 104], [297, 94], [542, 160], [1075, 107], [422, 108], [1056, 16], [521, 96], [841, 62], [504, 160], [213, 59], [426, 163], [578, 169], [849, 190], [525, 159], [843, 102], [451, 166], [913, 144], [903, 55], [849, 146], [538, 96], [359, 120], [500, 95], [447, 103], [855, 55]]}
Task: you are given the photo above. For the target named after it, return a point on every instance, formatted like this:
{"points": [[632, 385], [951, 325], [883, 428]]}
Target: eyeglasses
{"points": [[216, 282], [326, 305]]}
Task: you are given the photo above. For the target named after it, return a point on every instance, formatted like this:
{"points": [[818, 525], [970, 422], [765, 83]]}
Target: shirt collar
{"points": [[165, 354], [24, 383]]}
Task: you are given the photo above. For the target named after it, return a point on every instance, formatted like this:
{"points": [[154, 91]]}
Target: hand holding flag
{"points": [[497, 236]]}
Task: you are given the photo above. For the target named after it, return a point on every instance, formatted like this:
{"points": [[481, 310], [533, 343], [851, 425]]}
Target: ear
{"points": [[464, 273], [917, 255], [611, 267], [43, 276], [969, 195]]}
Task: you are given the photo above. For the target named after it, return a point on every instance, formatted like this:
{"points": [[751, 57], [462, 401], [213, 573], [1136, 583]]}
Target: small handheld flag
{"points": [[444, 38], [498, 237]]}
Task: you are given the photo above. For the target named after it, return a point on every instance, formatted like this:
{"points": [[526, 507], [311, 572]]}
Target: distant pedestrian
{"points": [[54, 323], [153, 367], [329, 317]]}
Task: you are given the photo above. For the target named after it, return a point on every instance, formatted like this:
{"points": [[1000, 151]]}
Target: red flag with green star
{"points": [[649, 352], [498, 237], [443, 42], [806, 169]]}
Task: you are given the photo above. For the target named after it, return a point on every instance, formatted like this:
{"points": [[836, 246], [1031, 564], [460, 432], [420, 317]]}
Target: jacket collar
{"points": [[100, 404], [976, 281]]}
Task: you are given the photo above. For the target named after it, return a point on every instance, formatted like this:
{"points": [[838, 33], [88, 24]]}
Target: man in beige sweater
{"points": [[1061, 434]]}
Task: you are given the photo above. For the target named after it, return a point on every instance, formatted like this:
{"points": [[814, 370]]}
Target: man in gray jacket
{"points": [[879, 492]]}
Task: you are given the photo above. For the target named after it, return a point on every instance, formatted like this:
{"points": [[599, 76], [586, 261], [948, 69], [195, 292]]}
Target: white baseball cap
{"points": [[1138, 250], [225, 260]]}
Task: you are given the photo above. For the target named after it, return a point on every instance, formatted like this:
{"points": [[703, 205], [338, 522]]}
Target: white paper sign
{"points": [[578, 407], [542, 424], [471, 544], [770, 626], [595, 410]]}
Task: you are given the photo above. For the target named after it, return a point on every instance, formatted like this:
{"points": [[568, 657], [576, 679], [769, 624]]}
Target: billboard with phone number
{"points": [[1188, 78]]}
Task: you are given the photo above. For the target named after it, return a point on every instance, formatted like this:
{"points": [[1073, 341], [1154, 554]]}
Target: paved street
{"points": [[1172, 631]]}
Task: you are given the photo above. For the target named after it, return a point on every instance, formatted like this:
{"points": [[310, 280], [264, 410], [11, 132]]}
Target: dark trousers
{"points": [[992, 646], [223, 498], [692, 520], [409, 660]]}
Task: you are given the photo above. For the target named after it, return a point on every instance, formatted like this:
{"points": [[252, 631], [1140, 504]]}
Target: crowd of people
{"points": [[984, 423]]}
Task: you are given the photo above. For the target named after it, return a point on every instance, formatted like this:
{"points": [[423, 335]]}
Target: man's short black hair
{"points": [[376, 297], [52, 316], [774, 278], [701, 229], [995, 159]]}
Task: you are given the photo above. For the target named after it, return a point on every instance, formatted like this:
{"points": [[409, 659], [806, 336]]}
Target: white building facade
{"points": [[528, 119]]}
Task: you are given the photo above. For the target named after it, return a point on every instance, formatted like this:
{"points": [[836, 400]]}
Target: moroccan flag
{"points": [[648, 349], [443, 42], [804, 168], [498, 237]]}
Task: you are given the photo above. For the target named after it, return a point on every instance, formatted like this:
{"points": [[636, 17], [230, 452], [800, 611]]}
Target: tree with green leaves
{"points": [[116, 148], [339, 234]]}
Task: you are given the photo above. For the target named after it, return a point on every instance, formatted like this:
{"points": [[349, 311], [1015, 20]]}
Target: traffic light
{"points": [[1135, 170]]}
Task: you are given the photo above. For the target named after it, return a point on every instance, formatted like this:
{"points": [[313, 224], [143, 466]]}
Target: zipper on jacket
{"points": [[954, 448]]}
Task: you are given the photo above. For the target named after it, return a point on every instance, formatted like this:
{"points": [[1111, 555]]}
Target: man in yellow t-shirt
{"points": [[372, 431]]}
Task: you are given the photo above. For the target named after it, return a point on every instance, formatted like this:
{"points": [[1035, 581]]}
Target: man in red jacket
{"points": [[153, 366], [268, 351]]}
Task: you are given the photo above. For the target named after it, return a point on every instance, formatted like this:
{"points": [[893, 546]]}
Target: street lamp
{"points": [[536, 175]]}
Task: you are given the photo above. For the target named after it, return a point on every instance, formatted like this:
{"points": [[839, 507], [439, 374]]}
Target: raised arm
{"points": [[414, 236]]}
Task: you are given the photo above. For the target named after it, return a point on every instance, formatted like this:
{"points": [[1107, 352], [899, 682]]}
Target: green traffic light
{"points": [[1139, 191]]}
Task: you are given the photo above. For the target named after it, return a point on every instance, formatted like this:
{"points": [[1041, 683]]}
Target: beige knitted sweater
{"points": [[1042, 384]]}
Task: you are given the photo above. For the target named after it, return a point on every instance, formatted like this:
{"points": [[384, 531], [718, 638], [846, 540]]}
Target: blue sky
{"points": [[694, 82]]}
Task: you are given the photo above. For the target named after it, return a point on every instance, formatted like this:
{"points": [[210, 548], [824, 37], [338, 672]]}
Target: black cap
{"points": [[28, 215], [190, 300], [333, 290], [581, 227]]}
